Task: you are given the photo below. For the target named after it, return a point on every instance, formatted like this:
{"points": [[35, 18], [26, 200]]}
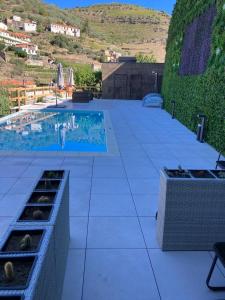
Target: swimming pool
{"points": [[46, 130]]}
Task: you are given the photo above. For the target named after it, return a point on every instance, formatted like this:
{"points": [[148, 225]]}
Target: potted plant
{"points": [[16, 271], [41, 213], [53, 174], [42, 198], [48, 185], [23, 240]]}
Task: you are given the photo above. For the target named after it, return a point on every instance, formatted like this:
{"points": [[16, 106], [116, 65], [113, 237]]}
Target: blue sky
{"points": [[166, 5]]}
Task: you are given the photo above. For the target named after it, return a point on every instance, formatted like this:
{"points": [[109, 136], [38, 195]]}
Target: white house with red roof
{"points": [[13, 38], [64, 29], [30, 48]]}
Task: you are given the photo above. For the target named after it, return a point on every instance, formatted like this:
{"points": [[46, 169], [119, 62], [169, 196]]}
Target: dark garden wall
{"points": [[194, 74], [130, 80]]}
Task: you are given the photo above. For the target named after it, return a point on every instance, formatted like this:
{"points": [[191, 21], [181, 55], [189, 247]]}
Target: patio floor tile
{"points": [[79, 204], [108, 171], [110, 186], [146, 205], [112, 205], [78, 232], [11, 204], [79, 171], [114, 232], [4, 224], [148, 225], [181, 275], [79, 185], [6, 184], [144, 186], [119, 275], [74, 275], [23, 186]]}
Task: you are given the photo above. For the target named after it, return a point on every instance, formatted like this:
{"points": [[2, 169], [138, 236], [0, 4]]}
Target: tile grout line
{"points": [[140, 224], [85, 254], [17, 179]]}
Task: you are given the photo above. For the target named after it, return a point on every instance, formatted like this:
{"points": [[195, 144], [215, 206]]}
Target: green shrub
{"points": [[4, 102], [11, 48], [20, 53], [2, 46], [83, 74], [197, 93], [63, 41], [144, 58]]}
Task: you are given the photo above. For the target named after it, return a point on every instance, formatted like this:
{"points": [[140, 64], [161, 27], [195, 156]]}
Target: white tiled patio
{"points": [[113, 252]]}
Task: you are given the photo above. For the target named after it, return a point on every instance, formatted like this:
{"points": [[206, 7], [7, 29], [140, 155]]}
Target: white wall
{"points": [[3, 26], [30, 27]]}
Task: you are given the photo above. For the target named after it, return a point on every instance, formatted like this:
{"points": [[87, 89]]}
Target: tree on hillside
{"points": [[20, 53], [85, 28]]}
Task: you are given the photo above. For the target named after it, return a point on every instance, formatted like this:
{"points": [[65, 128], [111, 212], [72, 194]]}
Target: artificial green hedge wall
{"points": [[197, 93]]}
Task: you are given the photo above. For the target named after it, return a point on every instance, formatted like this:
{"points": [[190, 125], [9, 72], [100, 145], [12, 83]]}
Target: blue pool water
{"points": [[81, 131]]}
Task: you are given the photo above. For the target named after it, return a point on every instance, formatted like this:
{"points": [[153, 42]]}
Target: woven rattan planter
{"points": [[191, 212], [46, 281]]}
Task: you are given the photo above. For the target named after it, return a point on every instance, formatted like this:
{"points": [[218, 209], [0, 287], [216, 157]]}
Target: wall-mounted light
{"points": [[201, 128], [156, 81]]}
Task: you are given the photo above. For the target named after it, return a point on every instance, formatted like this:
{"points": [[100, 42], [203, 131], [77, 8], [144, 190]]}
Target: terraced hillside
{"points": [[127, 29]]}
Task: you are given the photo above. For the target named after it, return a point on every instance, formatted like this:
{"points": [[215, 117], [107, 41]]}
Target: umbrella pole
{"points": [[56, 99]]}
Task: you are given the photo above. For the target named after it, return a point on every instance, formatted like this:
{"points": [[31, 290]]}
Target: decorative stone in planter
{"points": [[179, 173], [201, 174], [42, 198], [219, 173], [16, 271], [53, 174], [38, 213], [191, 211], [48, 185], [22, 240]]}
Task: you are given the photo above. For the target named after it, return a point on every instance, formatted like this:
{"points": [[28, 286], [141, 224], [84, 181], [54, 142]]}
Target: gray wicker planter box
{"points": [[42, 281], [191, 212], [59, 221]]}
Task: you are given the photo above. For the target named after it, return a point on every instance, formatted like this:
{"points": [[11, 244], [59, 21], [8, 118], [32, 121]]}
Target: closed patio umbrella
{"points": [[70, 77], [59, 83], [60, 78]]}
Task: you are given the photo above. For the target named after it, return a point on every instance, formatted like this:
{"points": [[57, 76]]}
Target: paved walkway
{"points": [[113, 253]]}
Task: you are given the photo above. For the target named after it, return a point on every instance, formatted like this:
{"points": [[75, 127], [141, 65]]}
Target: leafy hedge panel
{"points": [[201, 93]]}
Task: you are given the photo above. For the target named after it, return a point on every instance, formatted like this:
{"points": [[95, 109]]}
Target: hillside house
{"points": [[17, 23], [16, 18], [13, 38], [14, 22], [111, 56], [64, 29], [30, 26], [30, 49], [3, 26]]}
